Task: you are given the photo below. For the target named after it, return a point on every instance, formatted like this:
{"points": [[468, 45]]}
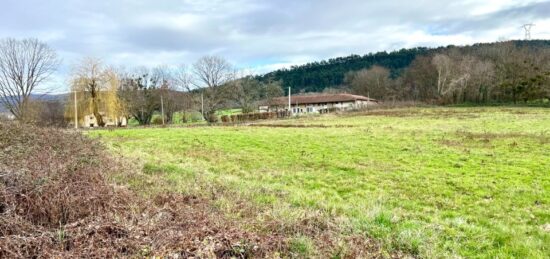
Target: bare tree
{"points": [[139, 90], [374, 81], [168, 85], [420, 80], [483, 77], [460, 81], [245, 91], [183, 81], [182, 78], [24, 64], [272, 90], [443, 64], [212, 71], [211, 74]]}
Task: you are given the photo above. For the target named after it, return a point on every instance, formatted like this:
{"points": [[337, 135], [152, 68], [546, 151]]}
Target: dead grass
{"points": [[327, 234], [56, 202], [301, 126], [542, 137], [402, 112]]}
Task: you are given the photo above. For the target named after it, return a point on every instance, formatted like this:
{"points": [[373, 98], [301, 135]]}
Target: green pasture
{"points": [[431, 182]]}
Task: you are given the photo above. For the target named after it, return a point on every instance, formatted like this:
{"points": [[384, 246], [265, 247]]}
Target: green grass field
{"points": [[431, 182]]}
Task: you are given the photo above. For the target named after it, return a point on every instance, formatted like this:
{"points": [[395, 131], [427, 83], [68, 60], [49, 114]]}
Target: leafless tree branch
{"points": [[24, 64]]}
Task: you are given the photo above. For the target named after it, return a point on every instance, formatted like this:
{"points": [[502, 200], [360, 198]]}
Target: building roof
{"points": [[319, 98]]}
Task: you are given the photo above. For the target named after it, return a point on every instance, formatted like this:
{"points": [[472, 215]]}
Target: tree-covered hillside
{"points": [[316, 76]]}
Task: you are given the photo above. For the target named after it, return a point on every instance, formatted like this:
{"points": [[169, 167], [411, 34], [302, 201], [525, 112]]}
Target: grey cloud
{"points": [[513, 16], [253, 31], [169, 39]]}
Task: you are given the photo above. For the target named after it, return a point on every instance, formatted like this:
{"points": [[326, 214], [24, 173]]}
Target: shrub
{"points": [[184, 118], [47, 180], [245, 117], [226, 118], [156, 120], [212, 118]]}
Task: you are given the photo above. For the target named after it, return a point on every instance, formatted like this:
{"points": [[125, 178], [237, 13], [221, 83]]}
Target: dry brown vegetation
{"points": [[58, 199], [542, 137], [55, 201], [418, 111]]}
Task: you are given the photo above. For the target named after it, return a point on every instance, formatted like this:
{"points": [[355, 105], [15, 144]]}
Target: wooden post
{"points": [[162, 108], [289, 105], [202, 106], [75, 112]]}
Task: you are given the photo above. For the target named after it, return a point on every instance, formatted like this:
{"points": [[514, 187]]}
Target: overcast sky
{"points": [[259, 35]]}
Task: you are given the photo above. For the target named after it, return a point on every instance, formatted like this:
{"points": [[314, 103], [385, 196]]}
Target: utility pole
{"points": [[289, 105], [162, 108], [527, 27], [75, 112], [202, 105], [368, 100]]}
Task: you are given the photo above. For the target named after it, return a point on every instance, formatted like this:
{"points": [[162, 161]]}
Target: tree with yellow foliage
{"points": [[96, 89], [114, 105]]}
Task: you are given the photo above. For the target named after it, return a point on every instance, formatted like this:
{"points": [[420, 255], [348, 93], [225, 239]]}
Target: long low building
{"points": [[318, 103]]}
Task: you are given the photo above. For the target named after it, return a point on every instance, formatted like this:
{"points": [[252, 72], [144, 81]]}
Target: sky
{"points": [[255, 35]]}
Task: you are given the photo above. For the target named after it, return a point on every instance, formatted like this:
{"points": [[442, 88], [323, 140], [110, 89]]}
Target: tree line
{"points": [[209, 85], [101, 90], [514, 71]]}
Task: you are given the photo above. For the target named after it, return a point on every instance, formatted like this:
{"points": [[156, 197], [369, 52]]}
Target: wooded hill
{"points": [[317, 76]]}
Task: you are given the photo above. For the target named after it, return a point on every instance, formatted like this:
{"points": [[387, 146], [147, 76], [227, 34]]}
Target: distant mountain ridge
{"points": [[43, 97], [316, 76]]}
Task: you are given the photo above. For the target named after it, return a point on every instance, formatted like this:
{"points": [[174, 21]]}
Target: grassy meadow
{"points": [[430, 182]]}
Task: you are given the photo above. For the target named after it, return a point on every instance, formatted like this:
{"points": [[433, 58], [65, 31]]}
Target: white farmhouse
{"points": [[319, 103], [90, 121]]}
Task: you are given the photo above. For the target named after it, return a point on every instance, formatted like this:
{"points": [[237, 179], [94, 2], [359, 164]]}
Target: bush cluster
{"points": [[157, 120], [245, 117]]}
